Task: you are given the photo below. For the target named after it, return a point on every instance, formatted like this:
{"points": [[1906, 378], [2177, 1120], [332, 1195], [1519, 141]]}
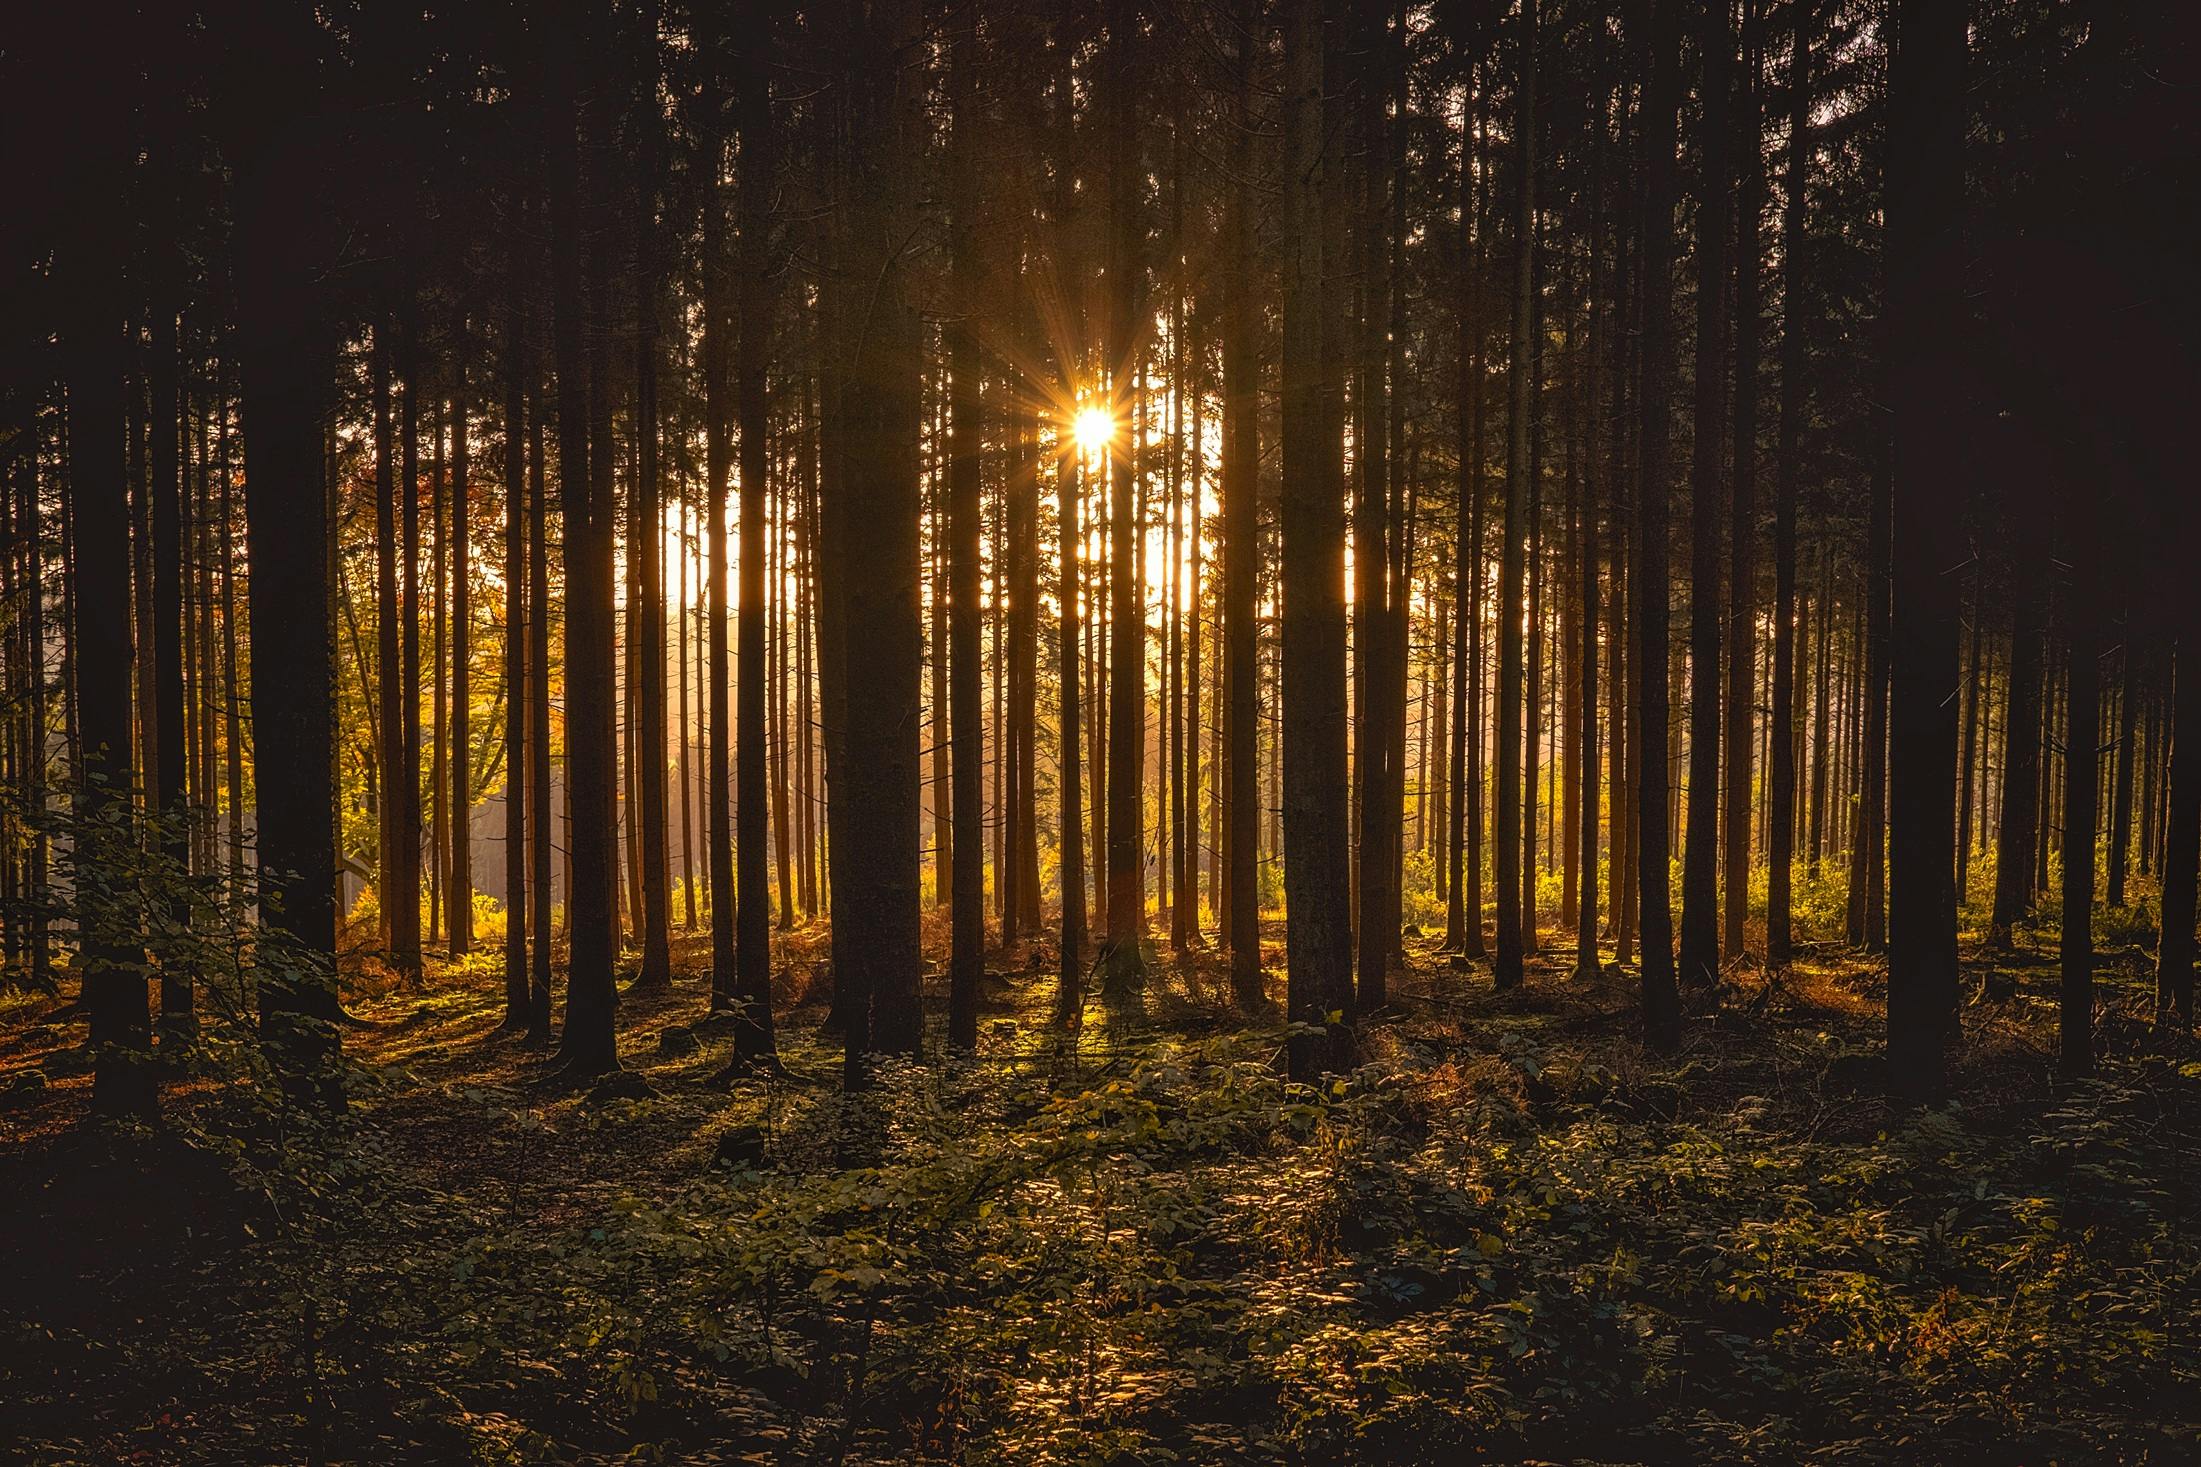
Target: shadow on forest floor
{"points": [[1511, 1233]]}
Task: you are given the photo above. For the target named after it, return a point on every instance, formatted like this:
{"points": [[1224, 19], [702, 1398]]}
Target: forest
{"points": [[1099, 731]]}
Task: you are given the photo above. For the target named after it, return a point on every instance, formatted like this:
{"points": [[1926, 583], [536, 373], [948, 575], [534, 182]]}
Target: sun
{"points": [[1092, 428]]}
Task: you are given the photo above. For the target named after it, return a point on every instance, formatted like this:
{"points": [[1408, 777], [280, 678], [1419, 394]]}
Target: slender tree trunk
{"points": [[754, 1042], [391, 884], [1973, 688], [1648, 582], [1241, 550], [2120, 809], [646, 617], [1318, 938], [588, 1043], [875, 866], [2081, 800], [1376, 776], [939, 600], [1123, 963], [1700, 949], [967, 909], [459, 900], [1925, 265], [518, 632], [538, 709], [1742, 580], [1781, 786], [287, 368], [94, 365], [1512, 827], [438, 760], [166, 791], [2181, 822], [720, 330]]}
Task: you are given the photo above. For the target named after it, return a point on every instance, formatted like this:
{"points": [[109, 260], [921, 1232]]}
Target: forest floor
{"points": [[1511, 1235]]}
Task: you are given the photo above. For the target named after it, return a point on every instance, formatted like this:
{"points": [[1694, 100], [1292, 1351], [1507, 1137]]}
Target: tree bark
{"points": [[1742, 580], [966, 408], [1930, 453], [1648, 582], [754, 1042], [1512, 829], [1781, 786], [1241, 550], [1123, 962], [1700, 950], [588, 1043], [1318, 936]]}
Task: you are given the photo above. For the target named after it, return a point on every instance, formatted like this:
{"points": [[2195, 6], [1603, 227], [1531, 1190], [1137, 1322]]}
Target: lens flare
{"points": [[1092, 428]]}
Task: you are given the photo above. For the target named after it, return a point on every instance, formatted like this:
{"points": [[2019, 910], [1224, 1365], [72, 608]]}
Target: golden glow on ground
{"points": [[1092, 428]]}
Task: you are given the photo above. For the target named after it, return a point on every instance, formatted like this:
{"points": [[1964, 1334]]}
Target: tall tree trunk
{"points": [[875, 867], [1123, 962], [967, 908], [389, 674], [1318, 938], [94, 364], [286, 370], [720, 329], [519, 631], [646, 644], [753, 1033], [1700, 948], [459, 899], [1970, 776], [1069, 993], [1742, 580], [1241, 552], [2181, 822], [1822, 753], [404, 786], [1375, 774], [2120, 808], [1781, 785], [166, 791], [588, 1043], [1925, 265], [1512, 828], [1648, 582], [2081, 799]]}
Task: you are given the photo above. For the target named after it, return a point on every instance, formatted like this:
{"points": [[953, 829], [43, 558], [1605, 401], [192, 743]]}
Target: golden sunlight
{"points": [[1093, 428]]}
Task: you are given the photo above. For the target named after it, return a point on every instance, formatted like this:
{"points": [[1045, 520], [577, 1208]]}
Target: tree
{"points": [[1381, 704], [1742, 578], [645, 548], [1241, 550], [1318, 936], [753, 1036], [285, 239], [2018, 831], [2081, 805], [519, 632], [967, 908], [719, 332], [90, 279], [1925, 192], [1700, 954], [874, 844], [1511, 829], [588, 1043], [2182, 823], [1123, 963], [1648, 580], [459, 901], [1781, 787]]}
